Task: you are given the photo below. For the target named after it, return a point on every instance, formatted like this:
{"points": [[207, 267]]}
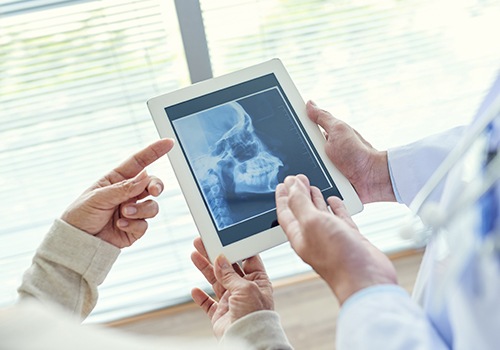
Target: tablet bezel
{"points": [[269, 238]]}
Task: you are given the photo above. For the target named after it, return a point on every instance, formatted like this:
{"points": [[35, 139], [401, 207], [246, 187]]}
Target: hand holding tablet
{"points": [[238, 136]]}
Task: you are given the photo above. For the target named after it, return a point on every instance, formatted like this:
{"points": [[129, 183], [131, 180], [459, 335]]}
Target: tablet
{"points": [[238, 136]]}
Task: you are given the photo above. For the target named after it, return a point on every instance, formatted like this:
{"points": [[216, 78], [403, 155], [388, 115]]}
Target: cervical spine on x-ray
{"points": [[238, 164]]}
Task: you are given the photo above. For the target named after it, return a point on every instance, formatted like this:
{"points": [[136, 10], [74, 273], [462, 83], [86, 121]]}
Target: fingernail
{"points": [[289, 181], [159, 187], [130, 210], [223, 262], [122, 223], [313, 103]]}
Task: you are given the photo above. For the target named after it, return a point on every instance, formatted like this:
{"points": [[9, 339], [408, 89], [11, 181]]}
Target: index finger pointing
{"points": [[137, 162]]}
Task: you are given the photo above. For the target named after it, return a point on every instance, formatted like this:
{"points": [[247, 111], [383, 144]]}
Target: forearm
{"points": [[67, 268]]}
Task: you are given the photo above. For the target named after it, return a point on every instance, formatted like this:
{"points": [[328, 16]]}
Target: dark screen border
{"points": [[266, 220]]}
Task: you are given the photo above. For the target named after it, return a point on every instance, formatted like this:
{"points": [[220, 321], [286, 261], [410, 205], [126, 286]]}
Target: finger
{"points": [[299, 199], [286, 219], [143, 210], [204, 301], [281, 197], [318, 199], [340, 210], [315, 193], [204, 266], [207, 270], [320, 116], [253, 264], [200, 247], [121, 192], [137, 162], [133, 228], [304, 179], [283, 212], [337, 206], [154, 188], [226, 275]]}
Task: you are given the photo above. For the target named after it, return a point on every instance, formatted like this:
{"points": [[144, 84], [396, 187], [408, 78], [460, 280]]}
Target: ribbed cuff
{"points": [[261, 329], [79, 251]]}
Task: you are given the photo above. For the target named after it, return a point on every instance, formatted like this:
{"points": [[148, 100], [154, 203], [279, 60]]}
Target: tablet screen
{"points": [[240, 142]]}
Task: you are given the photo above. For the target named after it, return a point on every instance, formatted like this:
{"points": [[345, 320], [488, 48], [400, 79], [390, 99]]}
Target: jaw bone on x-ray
{"points": [[229, 160]]}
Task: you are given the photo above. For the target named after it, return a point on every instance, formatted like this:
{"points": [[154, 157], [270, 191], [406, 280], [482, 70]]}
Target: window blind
{"points": [[75, 80], [75, 76]]}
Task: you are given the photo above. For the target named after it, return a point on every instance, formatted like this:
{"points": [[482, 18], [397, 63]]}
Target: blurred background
{"points": [[75, 76]]}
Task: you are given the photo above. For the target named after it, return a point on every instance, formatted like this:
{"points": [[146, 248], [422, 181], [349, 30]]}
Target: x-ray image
{"points": [[239, 149], [240, 142], [234, 168]]}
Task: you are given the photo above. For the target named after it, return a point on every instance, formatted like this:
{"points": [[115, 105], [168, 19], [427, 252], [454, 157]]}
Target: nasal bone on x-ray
{"points": [[237, 164]]}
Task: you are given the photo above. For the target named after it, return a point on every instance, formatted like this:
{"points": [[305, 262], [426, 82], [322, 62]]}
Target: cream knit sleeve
{"points": [[262, 330], [67, 268]]}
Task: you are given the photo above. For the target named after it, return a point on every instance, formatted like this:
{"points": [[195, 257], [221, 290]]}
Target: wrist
{"points": [[380, 189], [354, 275], [344, 291], [70, 219]]}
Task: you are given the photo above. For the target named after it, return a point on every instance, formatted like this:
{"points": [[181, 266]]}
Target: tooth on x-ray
{"points": [[238, 164]]}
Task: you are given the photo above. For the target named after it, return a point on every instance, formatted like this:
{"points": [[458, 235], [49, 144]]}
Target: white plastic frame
{"points": [[271, 237]]}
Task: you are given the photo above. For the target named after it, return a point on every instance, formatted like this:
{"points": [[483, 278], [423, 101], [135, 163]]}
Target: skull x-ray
{"points": [[239, 149], [230, 161]]}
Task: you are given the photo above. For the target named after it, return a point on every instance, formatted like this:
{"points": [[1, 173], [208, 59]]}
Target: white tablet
{"points": [[238, 136]]}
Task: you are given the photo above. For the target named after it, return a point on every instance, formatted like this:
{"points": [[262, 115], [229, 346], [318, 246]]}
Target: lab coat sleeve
{"points": [[67, 268], [385, 317], [410, 166]]}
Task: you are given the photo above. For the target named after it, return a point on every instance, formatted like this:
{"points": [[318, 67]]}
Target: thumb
{"points": [[123, 191], [320, 116], [226, 275]]}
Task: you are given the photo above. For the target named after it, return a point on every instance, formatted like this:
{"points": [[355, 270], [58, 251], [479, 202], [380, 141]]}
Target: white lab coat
{"points": [[456, 300]]}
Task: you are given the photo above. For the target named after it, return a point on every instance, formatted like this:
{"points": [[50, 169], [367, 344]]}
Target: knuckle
{"points": [[93, 196], [127, 187], [250, 288], [139, 226], [339, 127], [218, 289], [310, 222]]}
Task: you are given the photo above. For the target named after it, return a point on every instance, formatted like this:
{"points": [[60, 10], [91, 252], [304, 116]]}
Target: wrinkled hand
{"points": [[330, 242], [364, 166], [239, 291], [111, 208]]}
